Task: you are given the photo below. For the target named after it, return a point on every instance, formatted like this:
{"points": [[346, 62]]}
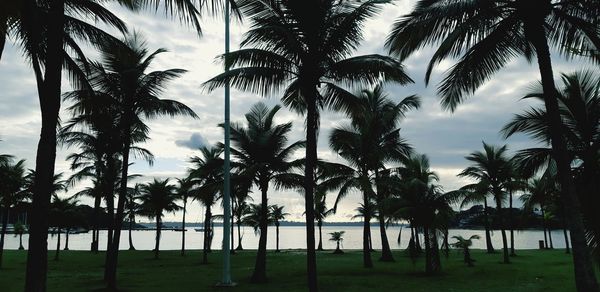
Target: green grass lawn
{"points": [[138, 271]]}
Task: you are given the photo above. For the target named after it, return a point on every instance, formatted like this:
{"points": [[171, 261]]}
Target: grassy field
{"points": [[138, 271]]}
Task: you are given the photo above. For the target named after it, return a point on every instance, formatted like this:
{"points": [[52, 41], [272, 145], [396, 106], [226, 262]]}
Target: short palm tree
{"points": [[19, 229], [540, 191], [304, 48], [338, 237], [465, 244], [12, 176], [263, 154], [277, 214], [157, 198], [485, 36], [63, 215]]}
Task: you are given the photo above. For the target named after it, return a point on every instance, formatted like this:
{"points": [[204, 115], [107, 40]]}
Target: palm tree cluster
{"points": [[304, 52]]}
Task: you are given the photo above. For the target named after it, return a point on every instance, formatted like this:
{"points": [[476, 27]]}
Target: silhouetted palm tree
{"points": [[62, 216], [20, 228], [477, 193], [486, 35], [184, 190], [262, 152], [338, 237], [277, 215], [156, 198], [132, 208], [465, 244], [492, 170], [12, 178], [304, 48]]}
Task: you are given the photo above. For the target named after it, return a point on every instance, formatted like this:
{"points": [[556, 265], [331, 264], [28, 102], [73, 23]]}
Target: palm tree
{"points": [[207, 174], [477, 193], [20, 228], [156, 198], [485, 36], [263, 154], [240, 205], [184, 190], [492, 169], [539, 191], [62, 216], [133, 208], [321, 212], [337, 236], [122, 77], [579, 104], [12, 176], [304, 48], [277, 215], [464, 244]]}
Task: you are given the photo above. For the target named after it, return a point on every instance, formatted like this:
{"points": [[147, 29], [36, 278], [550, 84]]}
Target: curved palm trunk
{"points": [[113, 252], [260, 267], [488, 237], [386, 251], [502, 230], [567, 247], [67, 238], [131, 220], [418, 246], [206, 243], [312, 121], [512, 224], [320, 225], [2, 41], [4, 226], [183, 228], [550, 238], [367, 261], [57, 246], [239, 230], [49, 92], [95, 223], [157, 244], [585, 278]]}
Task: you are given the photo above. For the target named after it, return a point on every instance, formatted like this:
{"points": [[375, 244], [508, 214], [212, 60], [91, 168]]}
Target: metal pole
{"points": [[226, 281]]}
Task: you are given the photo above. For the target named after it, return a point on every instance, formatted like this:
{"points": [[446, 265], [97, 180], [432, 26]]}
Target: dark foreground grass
{"points": [[138, 271]]}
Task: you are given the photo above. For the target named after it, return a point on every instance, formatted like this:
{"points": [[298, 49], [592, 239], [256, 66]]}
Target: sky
{"points": [[444, 136]]}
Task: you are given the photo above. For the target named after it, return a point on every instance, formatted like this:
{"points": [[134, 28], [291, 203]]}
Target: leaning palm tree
{"points": [[487, 35], [12, 176], [492, 170], [304, 49], [263, 154], [157, 198], [338, 237], [277, 214], [122, 77], [465, 244]]}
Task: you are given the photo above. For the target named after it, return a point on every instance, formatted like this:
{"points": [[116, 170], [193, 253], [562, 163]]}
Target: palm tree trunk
{"points": [[418, 240], [260, 267], [157, 244], [183, 228], [113, 253], [239, 230], [446, 244], [367, 261], [131, 220], [231, 249], [386, 251], [488, 237], [544, 227], [67, 239], [585, 278], [20, 246], [435, 250], [277, 237], [49, 92], [512, 226], [206, 243], [95, 223], [320, 225], [428, 260], [4, 226], [57, 246], [502, 229], [567, 248], [312, 121], [108, 188], [550, 238]]}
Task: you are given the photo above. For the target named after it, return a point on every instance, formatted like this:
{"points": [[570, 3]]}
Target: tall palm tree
{"points": [[477, 193], [485, 36], [132, 208], [207, 174], [184, 190], [539, 191], [262, 151], [492, 169], [277, 214], [304, 48], [579, 102], [241, 197], [157, 198], [123, 78], [12, 176]]}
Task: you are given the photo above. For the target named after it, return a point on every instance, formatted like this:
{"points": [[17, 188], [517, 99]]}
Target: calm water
{"points": [[291, 237]]}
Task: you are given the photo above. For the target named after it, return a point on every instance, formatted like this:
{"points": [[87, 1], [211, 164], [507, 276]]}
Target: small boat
{"points": [[199, 229]]}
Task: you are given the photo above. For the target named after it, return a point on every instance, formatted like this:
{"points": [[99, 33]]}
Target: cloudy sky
{"points": [[445, 137]]}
